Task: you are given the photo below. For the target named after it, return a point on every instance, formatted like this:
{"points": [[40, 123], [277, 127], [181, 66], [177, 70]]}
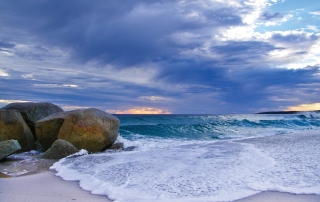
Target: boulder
{"points": [[90, 129], [32, 112], [12, 126], [60, 149], [120, 146], [8, 147], [117, 146], [47, 129]]}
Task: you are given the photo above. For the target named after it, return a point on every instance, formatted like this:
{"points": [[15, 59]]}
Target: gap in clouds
{"points": [[304, 107], [139, 110]]}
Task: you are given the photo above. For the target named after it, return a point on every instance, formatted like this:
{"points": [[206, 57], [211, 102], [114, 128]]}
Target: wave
{"points": [[206, 127], [310, 115]]}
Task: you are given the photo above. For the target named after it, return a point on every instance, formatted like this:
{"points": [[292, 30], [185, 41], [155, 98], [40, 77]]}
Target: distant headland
{"points": [[287, 112]]}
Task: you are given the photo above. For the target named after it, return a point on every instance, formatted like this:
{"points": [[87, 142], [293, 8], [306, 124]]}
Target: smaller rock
{"points": [[117, 146], [131, 148], [8, 147], [120, 146], [60, 149]]}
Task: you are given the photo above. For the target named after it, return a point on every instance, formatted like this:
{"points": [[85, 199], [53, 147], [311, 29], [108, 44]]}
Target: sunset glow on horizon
{"points": [[140, 110], [305, 107]]}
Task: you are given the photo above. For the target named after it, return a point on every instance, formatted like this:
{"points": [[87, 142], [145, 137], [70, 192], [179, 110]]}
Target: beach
{"points": [[257, 158], [45, 186]]}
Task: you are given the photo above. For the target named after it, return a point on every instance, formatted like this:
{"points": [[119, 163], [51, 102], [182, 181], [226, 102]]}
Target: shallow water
{"points": [[25, 164]]}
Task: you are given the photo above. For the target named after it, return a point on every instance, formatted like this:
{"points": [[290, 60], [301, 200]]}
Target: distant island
{"points": [[287, 112]]}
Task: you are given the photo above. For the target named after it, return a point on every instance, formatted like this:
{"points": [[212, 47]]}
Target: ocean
{"points": [[203, 158]]}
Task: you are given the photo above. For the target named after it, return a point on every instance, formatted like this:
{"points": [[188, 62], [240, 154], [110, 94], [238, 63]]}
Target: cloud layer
{"points": [[171, 56]]}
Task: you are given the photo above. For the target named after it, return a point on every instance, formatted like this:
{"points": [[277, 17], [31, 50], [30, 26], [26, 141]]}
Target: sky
{"points": [[162, 56]]}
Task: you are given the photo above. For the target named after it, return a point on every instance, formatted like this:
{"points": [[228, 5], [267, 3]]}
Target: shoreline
{"points": [[46, 186]]}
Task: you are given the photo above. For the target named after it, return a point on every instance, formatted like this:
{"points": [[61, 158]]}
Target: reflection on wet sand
{"points": [[24, 164]]}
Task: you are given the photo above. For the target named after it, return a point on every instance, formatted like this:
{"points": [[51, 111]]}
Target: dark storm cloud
{"points": [[295, 38], [111, 31], [247, 53], [254, 48], [80, 89], [233, 56], [242, 75], [271, 16], [4, 44], [255, 87]]}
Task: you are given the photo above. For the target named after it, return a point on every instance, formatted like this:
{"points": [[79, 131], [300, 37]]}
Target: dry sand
{"points": [[271, 196], [44, 187]]}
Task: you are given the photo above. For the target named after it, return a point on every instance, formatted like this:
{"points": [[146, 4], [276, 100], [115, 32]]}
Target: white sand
{"points": [[44, 187], [47, 187], [280, 197]]}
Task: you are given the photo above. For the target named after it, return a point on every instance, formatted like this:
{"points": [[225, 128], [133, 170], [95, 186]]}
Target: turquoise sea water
{"points": [[203, 158]]}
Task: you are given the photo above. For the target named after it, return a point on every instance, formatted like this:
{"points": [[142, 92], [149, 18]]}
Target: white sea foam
{"points": [[297, 164], [254, 153], [200, 171]]}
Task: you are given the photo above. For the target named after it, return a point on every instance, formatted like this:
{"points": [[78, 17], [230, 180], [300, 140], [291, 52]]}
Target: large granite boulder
{"points": [[60, 149], [32, 112], [8, 147], [90, 129], [47, 129], [12, 126]]}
